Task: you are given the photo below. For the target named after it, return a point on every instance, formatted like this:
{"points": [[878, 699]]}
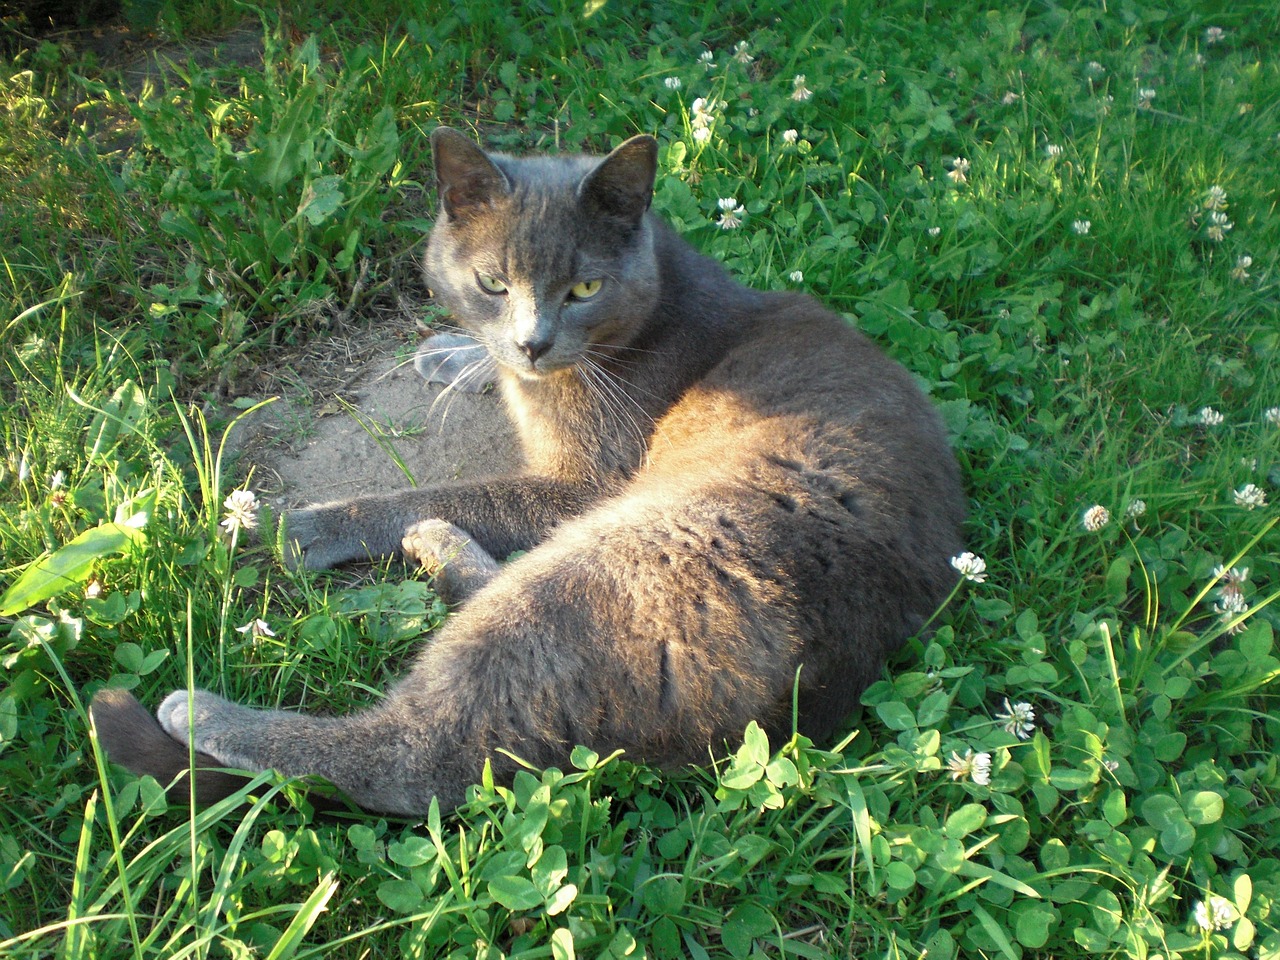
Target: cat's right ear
{"points": [[466, 179], [621, 185]]}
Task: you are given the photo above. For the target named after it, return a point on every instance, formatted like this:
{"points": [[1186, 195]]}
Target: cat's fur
{"points": [[724, 487]]}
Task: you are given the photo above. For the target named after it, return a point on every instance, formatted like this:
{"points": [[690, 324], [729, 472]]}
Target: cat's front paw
{"points": [[309, 539], [447, 553], [210, 723]]}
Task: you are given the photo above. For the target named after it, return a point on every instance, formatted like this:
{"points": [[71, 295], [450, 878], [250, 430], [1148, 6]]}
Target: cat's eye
{"points": [[490, 284], [585, 289]]}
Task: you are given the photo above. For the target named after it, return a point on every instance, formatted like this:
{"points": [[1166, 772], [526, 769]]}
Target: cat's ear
{"points": [[621, 185], [466, 179]]}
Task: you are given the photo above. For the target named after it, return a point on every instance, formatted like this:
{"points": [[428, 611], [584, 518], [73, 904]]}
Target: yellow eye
{"points": [[585, 289], [490, 284]]}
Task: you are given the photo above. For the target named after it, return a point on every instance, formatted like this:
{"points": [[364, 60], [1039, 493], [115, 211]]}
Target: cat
{"points": [[726, 489]]}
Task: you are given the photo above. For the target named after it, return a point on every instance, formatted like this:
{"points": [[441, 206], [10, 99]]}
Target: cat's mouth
{"points": [[540, 368]]}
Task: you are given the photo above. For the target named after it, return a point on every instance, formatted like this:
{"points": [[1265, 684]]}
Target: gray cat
{"points": [[724, 488]]}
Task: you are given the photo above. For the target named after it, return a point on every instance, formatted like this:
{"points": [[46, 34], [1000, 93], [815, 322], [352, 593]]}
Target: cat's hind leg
{"points": [[447, 553]]}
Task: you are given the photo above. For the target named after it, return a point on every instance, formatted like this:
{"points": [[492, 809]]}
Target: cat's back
{"points": [[796, 375]]}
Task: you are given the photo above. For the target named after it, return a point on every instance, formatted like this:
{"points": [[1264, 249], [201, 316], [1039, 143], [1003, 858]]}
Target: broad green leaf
{"points": [[411, 851], [1032, 922], [964, 820], [122, 412], [321, 199], [1160, 810], [129, 656], [1178, 838], [68, 566], [899, 875], [561, 900], [896, 715], [403, 896], [562, 944], [663, 896], [515, 893], [287, 150], [1203, 807], [744, 923], [1114, 808], [550, 870], [755, 745]]}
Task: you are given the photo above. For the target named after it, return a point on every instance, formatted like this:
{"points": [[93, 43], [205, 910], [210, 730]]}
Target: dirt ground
{"points": [[387, 428]]}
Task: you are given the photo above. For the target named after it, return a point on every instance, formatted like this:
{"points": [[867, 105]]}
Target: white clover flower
{"points": [[1052, 150], [1018, 719], [707, 59], [1134, 509], [1094, 68], [702, 134], [672, 83], [1081, 227], [1240, 271], [959, 170], [1214, 35], [799, 92], [241, 507], [704, 111], [1209, 417], [1215, 198], [1010, 98], [970, 566], [972, 766], [1272, 416], [1236, 576], [796, 276], [1231, 608], [1096, 517], [740, 53], [259, 629], [934, 231], [1217, 913], [1218, 226], [731, 214], [790, 135], [1145, 96], [1230, 603], [1250, 496]]}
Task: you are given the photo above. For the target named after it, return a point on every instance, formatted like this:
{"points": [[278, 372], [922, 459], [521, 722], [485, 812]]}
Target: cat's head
{"points": [[544, 259]]}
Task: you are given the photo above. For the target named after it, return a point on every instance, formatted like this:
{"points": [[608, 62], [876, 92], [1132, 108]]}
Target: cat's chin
{"points": [[537, 374]]}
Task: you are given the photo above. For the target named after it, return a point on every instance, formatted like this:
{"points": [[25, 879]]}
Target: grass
{"points": [[159, 242]]}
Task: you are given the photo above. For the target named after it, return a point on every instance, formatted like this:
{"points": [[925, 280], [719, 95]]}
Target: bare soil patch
{"points": [[359, 419]]}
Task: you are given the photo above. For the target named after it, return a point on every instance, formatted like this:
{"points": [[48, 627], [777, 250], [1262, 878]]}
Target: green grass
{"points": [[157, 243]]}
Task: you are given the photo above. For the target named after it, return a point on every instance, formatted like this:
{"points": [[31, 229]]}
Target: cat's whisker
{"points": [[619, 385], [611, 397], [472, 370]]}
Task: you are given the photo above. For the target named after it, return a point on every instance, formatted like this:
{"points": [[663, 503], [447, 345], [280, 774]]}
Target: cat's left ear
{"points": [[621, 185], [466, 179]]}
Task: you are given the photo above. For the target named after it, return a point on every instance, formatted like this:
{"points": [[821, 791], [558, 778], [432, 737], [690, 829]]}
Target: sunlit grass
{"points": [[935, 186]]}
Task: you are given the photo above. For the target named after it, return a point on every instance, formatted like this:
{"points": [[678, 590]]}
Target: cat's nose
{"points": [[534, 348]]}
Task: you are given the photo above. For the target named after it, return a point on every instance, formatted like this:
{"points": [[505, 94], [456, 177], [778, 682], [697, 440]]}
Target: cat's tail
{"points": [[133, 738]]}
